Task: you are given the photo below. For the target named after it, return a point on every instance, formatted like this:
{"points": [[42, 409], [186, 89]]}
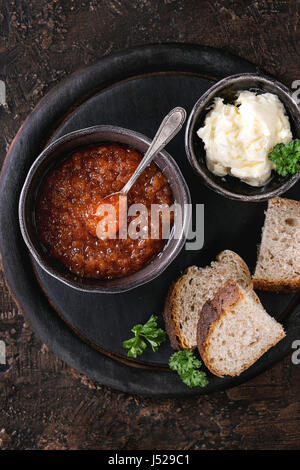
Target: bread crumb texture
{"points": [[234, 331], [188, 295], [278, 263]]}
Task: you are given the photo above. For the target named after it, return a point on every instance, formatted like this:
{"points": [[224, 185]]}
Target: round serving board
{"points": [[132, 89]]}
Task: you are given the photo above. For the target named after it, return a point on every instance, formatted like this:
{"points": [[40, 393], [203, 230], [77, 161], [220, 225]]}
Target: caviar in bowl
{"points": [[54, 234]]}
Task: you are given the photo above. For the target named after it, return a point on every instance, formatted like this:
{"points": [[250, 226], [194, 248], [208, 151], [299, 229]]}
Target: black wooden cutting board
{"points": [[132, 89]]}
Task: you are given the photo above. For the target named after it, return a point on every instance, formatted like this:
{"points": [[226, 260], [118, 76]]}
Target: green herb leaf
{"points": [[286, 157], [187, 365], [135, 345], [194, 378], [154, 335]]}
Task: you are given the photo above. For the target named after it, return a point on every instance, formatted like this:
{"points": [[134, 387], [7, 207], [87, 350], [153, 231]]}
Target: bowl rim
{"points": [[192, 158], [169, 160]]}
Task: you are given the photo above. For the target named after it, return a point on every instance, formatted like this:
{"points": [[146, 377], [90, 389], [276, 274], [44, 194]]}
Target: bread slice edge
{"points": [[169, 313], [284, 285]]}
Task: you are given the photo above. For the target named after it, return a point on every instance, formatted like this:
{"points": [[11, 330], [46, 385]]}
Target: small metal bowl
{"points": [[228, 88], [55, 153]]}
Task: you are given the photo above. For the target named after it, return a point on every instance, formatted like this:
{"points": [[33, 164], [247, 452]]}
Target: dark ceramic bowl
{"points": [[55, 153], [228, 88]]}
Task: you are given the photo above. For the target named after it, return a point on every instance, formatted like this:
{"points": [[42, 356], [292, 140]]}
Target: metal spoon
{"points": [[169, 127]]}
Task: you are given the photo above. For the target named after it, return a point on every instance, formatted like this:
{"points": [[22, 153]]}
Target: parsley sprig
{"points": [[183, 362], [154, 335], [286, 157], [187, 366]]}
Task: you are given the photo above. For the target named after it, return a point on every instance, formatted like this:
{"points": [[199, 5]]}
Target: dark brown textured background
{"points": [[44, 403]]}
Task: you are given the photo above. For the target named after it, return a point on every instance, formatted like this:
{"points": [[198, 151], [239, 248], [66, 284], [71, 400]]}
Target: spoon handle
{"points": [[169, 127]]}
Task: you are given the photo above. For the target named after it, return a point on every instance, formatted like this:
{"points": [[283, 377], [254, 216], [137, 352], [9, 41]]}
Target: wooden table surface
{"points": [[44, 403]]}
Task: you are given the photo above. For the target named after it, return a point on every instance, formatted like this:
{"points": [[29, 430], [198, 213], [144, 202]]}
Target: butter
{"points": [[238, 137]]}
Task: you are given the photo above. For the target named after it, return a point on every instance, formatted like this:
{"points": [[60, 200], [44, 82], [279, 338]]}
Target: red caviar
{"points": [[67, 205]]}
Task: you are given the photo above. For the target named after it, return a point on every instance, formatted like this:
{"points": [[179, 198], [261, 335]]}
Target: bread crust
{"points": [[244, 266], [227, 297], [285, 285], [282, 201], [170, 311], [170, 323]]}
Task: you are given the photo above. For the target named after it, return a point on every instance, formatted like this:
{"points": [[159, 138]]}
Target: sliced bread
{"points": [[278, 263], [187, 296], [234, 330]]}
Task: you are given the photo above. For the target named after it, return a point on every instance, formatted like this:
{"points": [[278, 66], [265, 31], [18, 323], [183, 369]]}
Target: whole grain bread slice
{"points": [[234, 330], [188, 294], [278, 263]]}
